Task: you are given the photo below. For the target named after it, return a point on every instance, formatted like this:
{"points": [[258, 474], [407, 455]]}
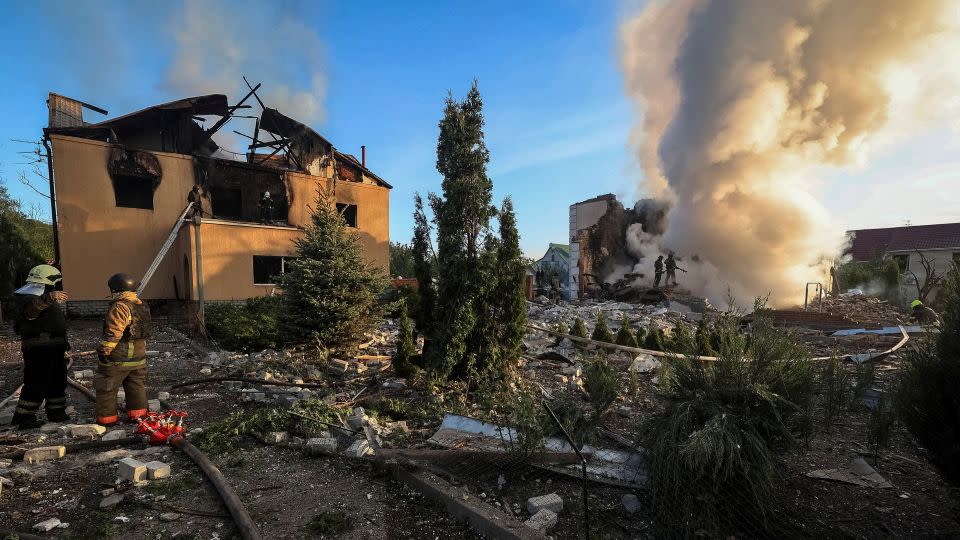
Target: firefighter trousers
{"points": [[44, 379], [108, 381]]}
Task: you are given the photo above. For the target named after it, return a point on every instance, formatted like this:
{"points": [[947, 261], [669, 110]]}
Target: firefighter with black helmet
{"points": [[42, 327], [123, 352]]}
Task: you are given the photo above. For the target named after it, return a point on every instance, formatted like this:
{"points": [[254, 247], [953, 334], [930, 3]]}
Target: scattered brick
{"points": [[157, 469], [132, 470], [543, 521], [44, 453], [551, 502]]}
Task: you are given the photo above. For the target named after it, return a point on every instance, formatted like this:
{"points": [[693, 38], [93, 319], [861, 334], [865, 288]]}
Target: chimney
{"points": [[363, 156]]}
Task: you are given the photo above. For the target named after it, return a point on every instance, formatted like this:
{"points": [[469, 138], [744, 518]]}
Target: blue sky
{"points": [[558, 122]]}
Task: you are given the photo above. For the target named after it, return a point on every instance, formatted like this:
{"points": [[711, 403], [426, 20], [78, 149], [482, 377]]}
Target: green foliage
{"points": [[579, 329], [248, 327], [330, 292], [526, 417], [624, 336], [402, 364], [713, 445], [641, 336], [927, 396], [834, 383], [423, 270], [654, 338], [509, 302], [401, 260], [880, 427], [572, 415], [24, 243], [601, 332], [702, 339], [881, 274], [601, 384], [224, 436], [681, 340], [560, 328], [329, 523]]}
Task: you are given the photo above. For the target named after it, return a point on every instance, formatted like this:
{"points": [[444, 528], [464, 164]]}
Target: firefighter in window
{"points": [[123, 352], [266, 207]]}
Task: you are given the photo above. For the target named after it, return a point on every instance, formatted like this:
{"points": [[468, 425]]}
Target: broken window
{"points": [[349, 213], [135, 176], [266, 268], [236, 190], [903, 261]]}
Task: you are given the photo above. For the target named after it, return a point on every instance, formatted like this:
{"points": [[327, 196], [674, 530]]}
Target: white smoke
{"points": [[744, 103]]}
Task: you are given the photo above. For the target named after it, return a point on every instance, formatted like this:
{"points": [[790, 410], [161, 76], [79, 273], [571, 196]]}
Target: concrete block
{"points": [[571, 370], [88, 431], [111, 455], [551, 502], [132, 470], [542, 521], [157, 469], [169, 516], [47, 525], [163, 396], [50, 427], [358, 449], [630, 503], [44, 453], [373, 436], [113, 435], [111, 500], [277, 437], [326, 445], [153, 405]]}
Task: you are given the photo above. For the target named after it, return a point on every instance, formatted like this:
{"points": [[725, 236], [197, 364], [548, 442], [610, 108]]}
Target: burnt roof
{"points": [[867, 243]]}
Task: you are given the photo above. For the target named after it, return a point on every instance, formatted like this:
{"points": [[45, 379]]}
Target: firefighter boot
{"points": [[25, 421]]}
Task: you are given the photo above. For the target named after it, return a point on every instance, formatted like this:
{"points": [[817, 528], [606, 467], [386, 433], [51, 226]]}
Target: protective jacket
{"points": [[126, 328], [40, 323]]}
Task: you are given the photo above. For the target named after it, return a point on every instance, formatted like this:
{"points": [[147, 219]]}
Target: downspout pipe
{"points": [[53, 202]]}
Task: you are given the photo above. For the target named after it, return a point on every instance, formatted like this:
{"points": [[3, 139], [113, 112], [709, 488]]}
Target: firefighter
{"points": [[672, 269], [923, 314], [42, 328], [123, 352], [266, 207], [657, 271]]}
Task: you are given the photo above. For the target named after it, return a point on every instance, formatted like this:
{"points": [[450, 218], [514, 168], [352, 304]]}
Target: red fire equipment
{"points": [[161, 427]]}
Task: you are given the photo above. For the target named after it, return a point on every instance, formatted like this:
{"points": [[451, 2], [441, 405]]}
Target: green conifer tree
{"points": [[654, 338], [509, 300], [601, 332], [560, 328], [402, 359], [702, 338], [422, 252], [330, 292], [579, 329], [681, 341], [624, 335]]}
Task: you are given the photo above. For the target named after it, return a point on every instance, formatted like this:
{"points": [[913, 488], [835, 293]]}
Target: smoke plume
{"points": [[744, 102]]}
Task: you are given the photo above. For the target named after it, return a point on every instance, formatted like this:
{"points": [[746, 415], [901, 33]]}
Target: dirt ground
{"points": [[282, 489], [285, 488]]}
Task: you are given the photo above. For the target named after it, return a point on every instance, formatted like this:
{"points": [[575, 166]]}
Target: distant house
{"points": [[939, 244], [554, 266]]}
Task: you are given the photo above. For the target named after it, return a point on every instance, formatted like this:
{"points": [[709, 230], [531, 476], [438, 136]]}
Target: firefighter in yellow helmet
{"points": [[42, 327], [922, 314], [123, 352]]}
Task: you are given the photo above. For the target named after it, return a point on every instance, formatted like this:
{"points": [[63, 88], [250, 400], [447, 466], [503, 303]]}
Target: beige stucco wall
{"points": [[98, 238]]}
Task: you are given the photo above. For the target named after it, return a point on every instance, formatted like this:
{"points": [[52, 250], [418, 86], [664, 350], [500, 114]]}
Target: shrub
{"points": [[601, 384], [402, 358], [601, 332], [702, 338], [248, 327], [579, 330], [654, 338], [927, 397], [713, 445], [624, 335], [559, 328], [681, 341], [834, 383]]}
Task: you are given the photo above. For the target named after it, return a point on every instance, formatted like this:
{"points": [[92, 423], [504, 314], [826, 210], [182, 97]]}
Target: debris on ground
{"points": [[858, 472]]}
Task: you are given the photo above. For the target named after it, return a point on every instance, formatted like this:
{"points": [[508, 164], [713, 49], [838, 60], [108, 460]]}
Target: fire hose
{"points": [[164, 428]]}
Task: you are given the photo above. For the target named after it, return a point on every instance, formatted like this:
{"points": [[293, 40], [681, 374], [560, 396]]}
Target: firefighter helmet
{"points": [[122, 282], [916, 303], [44, 274]]}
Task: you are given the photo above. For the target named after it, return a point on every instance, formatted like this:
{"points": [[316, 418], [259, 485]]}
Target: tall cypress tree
{"points": [[462, 215], [511, 305], [423, 270], [330, 292]]}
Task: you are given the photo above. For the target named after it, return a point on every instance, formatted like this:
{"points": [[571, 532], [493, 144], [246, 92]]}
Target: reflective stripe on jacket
{"points": [[116, 343]]}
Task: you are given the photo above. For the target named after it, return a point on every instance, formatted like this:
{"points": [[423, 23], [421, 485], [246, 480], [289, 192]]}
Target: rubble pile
{"points": [[862, 309]]}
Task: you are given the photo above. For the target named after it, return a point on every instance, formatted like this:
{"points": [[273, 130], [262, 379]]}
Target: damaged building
{"points": [[122, 185]]}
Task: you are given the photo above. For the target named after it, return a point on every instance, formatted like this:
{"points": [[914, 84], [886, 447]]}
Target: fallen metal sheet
{"points": [[859, 473], [610, 466], [915, 329]]}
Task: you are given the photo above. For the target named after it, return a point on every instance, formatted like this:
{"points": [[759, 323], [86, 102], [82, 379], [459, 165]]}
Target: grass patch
{"points": [[329, 523], [170, 487]]}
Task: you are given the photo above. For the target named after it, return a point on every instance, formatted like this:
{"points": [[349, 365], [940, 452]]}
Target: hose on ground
{"points": [[248, 380], [245, 525], [8, 533]]}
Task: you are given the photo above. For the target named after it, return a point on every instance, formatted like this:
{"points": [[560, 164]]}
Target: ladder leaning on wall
{"points": [[163, 250]]}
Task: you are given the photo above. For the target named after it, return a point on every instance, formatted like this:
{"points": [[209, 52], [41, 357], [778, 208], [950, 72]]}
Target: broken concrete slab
{"points": [[163, 396], [132, 469], [111, 455], [542, 521], [644, 363], [47, 525], [858, 472], [169, 516], [111, 500], [157, 469], [550, 501], [113, 435], [326, 445], [358, 449], [44, 453], [87, 431]]}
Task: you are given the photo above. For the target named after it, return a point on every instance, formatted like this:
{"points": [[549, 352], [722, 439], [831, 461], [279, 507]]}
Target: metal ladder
{"points": [[163, 250]]}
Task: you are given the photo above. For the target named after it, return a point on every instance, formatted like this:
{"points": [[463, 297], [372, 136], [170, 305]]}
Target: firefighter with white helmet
{"points": [[42, 326]]}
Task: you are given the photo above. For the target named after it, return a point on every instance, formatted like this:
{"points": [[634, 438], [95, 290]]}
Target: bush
{"points": [[601, 384], [834, 383], [702, 338], [601, 332], [713, 445], [559, 328], [402, 359], [927, 397], [248, 327], [654, 338], [624, 335]]}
